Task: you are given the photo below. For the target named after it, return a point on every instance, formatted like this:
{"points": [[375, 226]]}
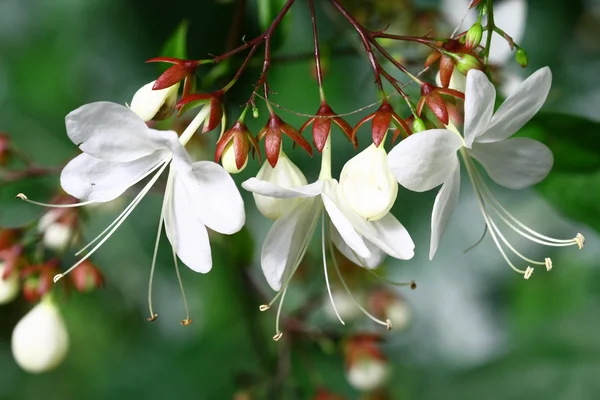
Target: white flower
{"points": [[56, 235], [428, 159], [154, 104], [286, 175], [119, 150], [368, 373], [229, 162], [361, 240], [367, 183], [40, 340], [9, 285]]}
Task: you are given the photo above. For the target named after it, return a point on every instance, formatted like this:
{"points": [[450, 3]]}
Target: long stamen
{"points": [[504, 214], [323, 223], [131, 204], [187, 320], [145, 190], [278, 333], [37, 203], [387, 323]]}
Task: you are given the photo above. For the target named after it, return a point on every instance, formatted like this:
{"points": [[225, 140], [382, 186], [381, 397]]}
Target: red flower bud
{"points": [[381, 120], [240, 138], [182, 69], [322, 127], [271, 133], [86, 277]]}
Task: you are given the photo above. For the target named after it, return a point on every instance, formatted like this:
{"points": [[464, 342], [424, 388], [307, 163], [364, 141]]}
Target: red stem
{"points": [[317, 53]]}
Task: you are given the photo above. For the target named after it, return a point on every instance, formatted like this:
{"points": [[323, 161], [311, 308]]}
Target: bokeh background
{"points": [[477, 329]]}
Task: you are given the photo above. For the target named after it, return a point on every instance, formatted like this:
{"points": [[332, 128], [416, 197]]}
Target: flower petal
{"points": [[480, 96], [268, 189], [373, 261], [330, 199], [519, 107], [88, 178], [112, 132], [514, 163], [216, 200], [187, 234], [424, 160], [287, 241], [390, 236], [444, 205]]}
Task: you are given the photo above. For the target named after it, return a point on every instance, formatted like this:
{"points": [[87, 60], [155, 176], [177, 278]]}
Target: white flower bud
{"points": [[40, 340], [285, 174], [458, 81], [56, 235], [400, 313], [368, 373], [154, 104], [368, 184], [9, 287], [344, 304], [228, 160]]}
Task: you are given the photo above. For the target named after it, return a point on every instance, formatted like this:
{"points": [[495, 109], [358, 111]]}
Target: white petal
{"points": [[457, 81], [88, 178], [216, 200], [480, 96], [514, 163], [268, 189], [373, 261], [112, 132], [457, 10], [445, 203], [519, 107], [187, 234], [390, 236], [147, 102], [424, 160], [330, 200], [287, 241]]}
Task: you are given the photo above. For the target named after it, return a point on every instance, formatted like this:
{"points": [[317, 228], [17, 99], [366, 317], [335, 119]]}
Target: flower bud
{"points": [[229, 161], [57, 228], [387, 304], [9, 285], [344, 304], [285, 174], [367, 183], [521, 57], [418, 125], [40, 340], [466, 62], [474, 35], [86, 277], [366, 366], [154, 104]]}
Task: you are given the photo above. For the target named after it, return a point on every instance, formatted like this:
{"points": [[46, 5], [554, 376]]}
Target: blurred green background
{"points": [[478, 330]]}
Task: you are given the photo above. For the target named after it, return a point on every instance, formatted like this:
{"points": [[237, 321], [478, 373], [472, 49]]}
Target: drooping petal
{"points": [[111, 132], [344, 227], [480, 95], [373, 261], [185, 231], [217, 203], [390, 236], [519, 107], [268, 189], [88, 178], [425, 160], [287, 241], [514, 163], [445, 203]]}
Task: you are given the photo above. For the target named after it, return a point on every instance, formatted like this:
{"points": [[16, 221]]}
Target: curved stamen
{"points": [[38, 203], [278, 333], [323, 223]]}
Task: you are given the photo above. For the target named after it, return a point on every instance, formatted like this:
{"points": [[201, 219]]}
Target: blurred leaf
{"points": [[267, 12], [176, 45], [574, 182]]}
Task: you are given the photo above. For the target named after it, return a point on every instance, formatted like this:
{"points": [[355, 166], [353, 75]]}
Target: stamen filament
{"points": [[323, 223], [145, 190], [278, 333], [187, 320], [37, 203]]}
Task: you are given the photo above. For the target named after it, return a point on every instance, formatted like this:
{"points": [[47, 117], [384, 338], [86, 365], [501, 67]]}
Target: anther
{"points": [[388, 324], [528, 272], [548, 263], [21, 196], [185, 322], [152, 318], [264, 307], [277, 336], [57, 277], [413, 285], [580, 240]]}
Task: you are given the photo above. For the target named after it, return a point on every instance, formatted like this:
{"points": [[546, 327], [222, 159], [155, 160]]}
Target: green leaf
{"points": [[267, 12], [176, 45]]}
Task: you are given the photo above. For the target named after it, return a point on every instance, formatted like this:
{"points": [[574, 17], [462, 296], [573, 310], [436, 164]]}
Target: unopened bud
{"points": [[474, 35], [57, 232], [521, 57], [285, 174], [228, 159], [368, 373], [86, 277], [40, 340], [255, 113], [367, 183], [154, 104], [344, 304], [418, 125], [466, 62], [9, 285], [387, 304]]}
